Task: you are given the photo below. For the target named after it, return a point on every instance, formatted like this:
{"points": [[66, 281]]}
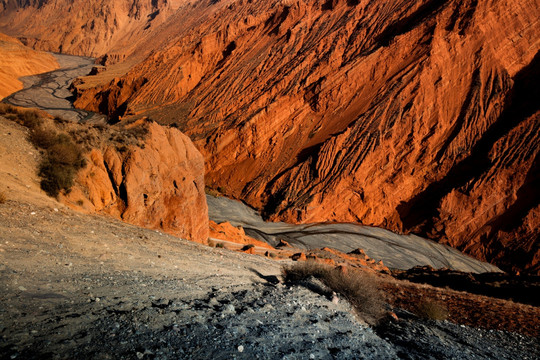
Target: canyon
{"points": [[305, 148], [416, 116]]}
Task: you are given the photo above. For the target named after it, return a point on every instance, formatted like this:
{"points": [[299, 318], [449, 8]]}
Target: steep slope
{"points": [[18, 60], [111, 29], [417, 116], [157, 184]]}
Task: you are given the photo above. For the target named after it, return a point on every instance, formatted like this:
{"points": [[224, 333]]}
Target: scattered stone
{"points": [[299, 257]]}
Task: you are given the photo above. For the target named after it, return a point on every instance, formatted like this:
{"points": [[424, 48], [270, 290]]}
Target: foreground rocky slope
{"points": [[18, 60], [416, 116], [88, 286]]}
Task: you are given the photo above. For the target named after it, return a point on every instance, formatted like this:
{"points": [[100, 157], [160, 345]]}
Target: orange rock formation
{"points": [[111, 30], [159, 185], [225, 231], [417, 116], [18, 60]]}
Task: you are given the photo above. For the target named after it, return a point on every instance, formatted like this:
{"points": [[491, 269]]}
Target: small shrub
{"points": [[80, 202], [247, 247], [60, 165], [7, 109], [220, 245], [432, 310], [42, 138], [30, 119], [360, 289], [60, 120], [3, 197], [56, 177], [66, 153], [211, 243]]}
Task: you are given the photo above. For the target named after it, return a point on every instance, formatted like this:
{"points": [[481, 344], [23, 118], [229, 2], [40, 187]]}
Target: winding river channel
{"points": [[50, 92]]}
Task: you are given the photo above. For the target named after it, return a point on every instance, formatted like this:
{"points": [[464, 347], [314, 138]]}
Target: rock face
{"points": [[111, 29], [18, 60], [417, 116], [159, 185]]}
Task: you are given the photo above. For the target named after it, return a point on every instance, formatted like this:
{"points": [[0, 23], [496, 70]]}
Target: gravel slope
{"points": [[80, 286]]}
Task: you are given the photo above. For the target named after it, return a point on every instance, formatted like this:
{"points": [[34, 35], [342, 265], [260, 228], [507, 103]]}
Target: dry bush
{"points": [[432, 310], [359, 288], [66, 153], [27, 118], [42, 138], [55, 177], [30, 119], [3, 197], [62, 160], [7, 109]]}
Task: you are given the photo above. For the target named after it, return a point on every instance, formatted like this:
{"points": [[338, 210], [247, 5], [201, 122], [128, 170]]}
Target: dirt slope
{"points": [[417, 116], [86, 286], [18, 60]]}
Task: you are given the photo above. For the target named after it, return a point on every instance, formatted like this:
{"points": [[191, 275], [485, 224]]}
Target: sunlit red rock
{"points": [[111, 30], [416, 116], [159, 185], [225, 231]]}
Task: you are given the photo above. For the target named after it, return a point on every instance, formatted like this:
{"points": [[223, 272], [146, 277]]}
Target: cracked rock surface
{"points": [[50, 91]]}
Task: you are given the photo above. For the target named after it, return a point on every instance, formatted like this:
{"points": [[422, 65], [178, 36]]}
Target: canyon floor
{"points": [[50, 91], [87, 286]]}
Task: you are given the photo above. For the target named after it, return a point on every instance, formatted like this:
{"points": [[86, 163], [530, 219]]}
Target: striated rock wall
{"points": [[417, 116], [112, 29], [18, 60], [158, 185]]}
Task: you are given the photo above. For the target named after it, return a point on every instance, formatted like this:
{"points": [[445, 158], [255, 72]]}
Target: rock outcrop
{"points": [[417, 116], [157, 185], [18, 60]]}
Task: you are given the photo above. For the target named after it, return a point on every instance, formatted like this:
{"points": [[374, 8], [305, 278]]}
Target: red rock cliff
{"points": [[417, 116], [159, 185], [113, 29]]}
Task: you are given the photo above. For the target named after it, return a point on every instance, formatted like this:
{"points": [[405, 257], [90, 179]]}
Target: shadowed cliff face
{"points": [[417, 116]]}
